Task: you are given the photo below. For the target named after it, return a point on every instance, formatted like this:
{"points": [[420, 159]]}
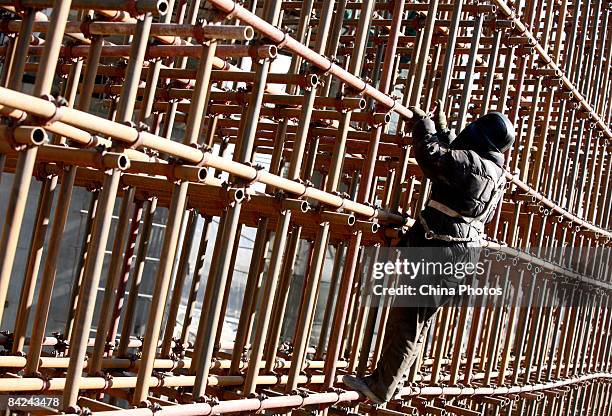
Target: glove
{"points": [[418, 113], [423, 127], [439, 118]]}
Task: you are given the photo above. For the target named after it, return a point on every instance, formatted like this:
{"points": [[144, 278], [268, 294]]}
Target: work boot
{"points": [[360, 386]]}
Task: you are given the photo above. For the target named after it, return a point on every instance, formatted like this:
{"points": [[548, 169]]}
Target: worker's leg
{"points": [[404, 335]]}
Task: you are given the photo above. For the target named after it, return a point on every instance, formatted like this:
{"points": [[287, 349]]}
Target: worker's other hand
{"points": [[418, 114], [439, 117], [423, 127]]}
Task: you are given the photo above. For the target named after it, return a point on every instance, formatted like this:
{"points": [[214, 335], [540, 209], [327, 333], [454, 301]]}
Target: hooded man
{"points": [[467, 176]]}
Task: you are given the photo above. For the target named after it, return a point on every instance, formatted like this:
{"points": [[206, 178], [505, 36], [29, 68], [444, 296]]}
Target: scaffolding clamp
{"points": [[108, 379], [258, 168], [301, 393], [46, 380], [339, 392], [61, 346], [133, 358], [85, 26], [139, 129], [178, 350], [258, 396], [279, 377], [154, 407]]}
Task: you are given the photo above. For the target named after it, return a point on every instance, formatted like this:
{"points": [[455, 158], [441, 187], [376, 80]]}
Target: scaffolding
{"points": [[192, 94]]}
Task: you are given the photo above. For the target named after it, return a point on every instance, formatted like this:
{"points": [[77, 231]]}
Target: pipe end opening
{"points": [[249, 33], [38, 136], [123, 162], [272, 51], [313, 80], [162, 7], [202, 174], [238, 195]]}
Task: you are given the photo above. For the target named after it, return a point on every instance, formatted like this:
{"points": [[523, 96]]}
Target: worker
{"points": [[467, 176]]}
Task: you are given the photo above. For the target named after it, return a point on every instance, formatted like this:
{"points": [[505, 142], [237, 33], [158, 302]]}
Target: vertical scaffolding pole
{"points": [[101, 228]]}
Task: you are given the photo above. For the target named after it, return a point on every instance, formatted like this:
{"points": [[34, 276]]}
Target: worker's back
{"points": [[467, 179]]}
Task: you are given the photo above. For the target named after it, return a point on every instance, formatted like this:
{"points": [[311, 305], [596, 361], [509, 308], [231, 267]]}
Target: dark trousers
{"points": [[407, 327], [404, 337]]}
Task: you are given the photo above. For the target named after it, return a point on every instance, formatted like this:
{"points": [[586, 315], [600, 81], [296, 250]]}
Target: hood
{"points": [[490, 133]]}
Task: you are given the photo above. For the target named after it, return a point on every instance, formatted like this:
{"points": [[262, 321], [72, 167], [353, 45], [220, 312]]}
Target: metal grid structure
{"points": [[340, 173]]}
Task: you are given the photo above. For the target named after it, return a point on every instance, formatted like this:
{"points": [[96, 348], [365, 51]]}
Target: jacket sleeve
{"points": [[437, 160]]}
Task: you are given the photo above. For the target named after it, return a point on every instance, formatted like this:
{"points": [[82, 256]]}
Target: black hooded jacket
{"points": [[464, 174]]}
